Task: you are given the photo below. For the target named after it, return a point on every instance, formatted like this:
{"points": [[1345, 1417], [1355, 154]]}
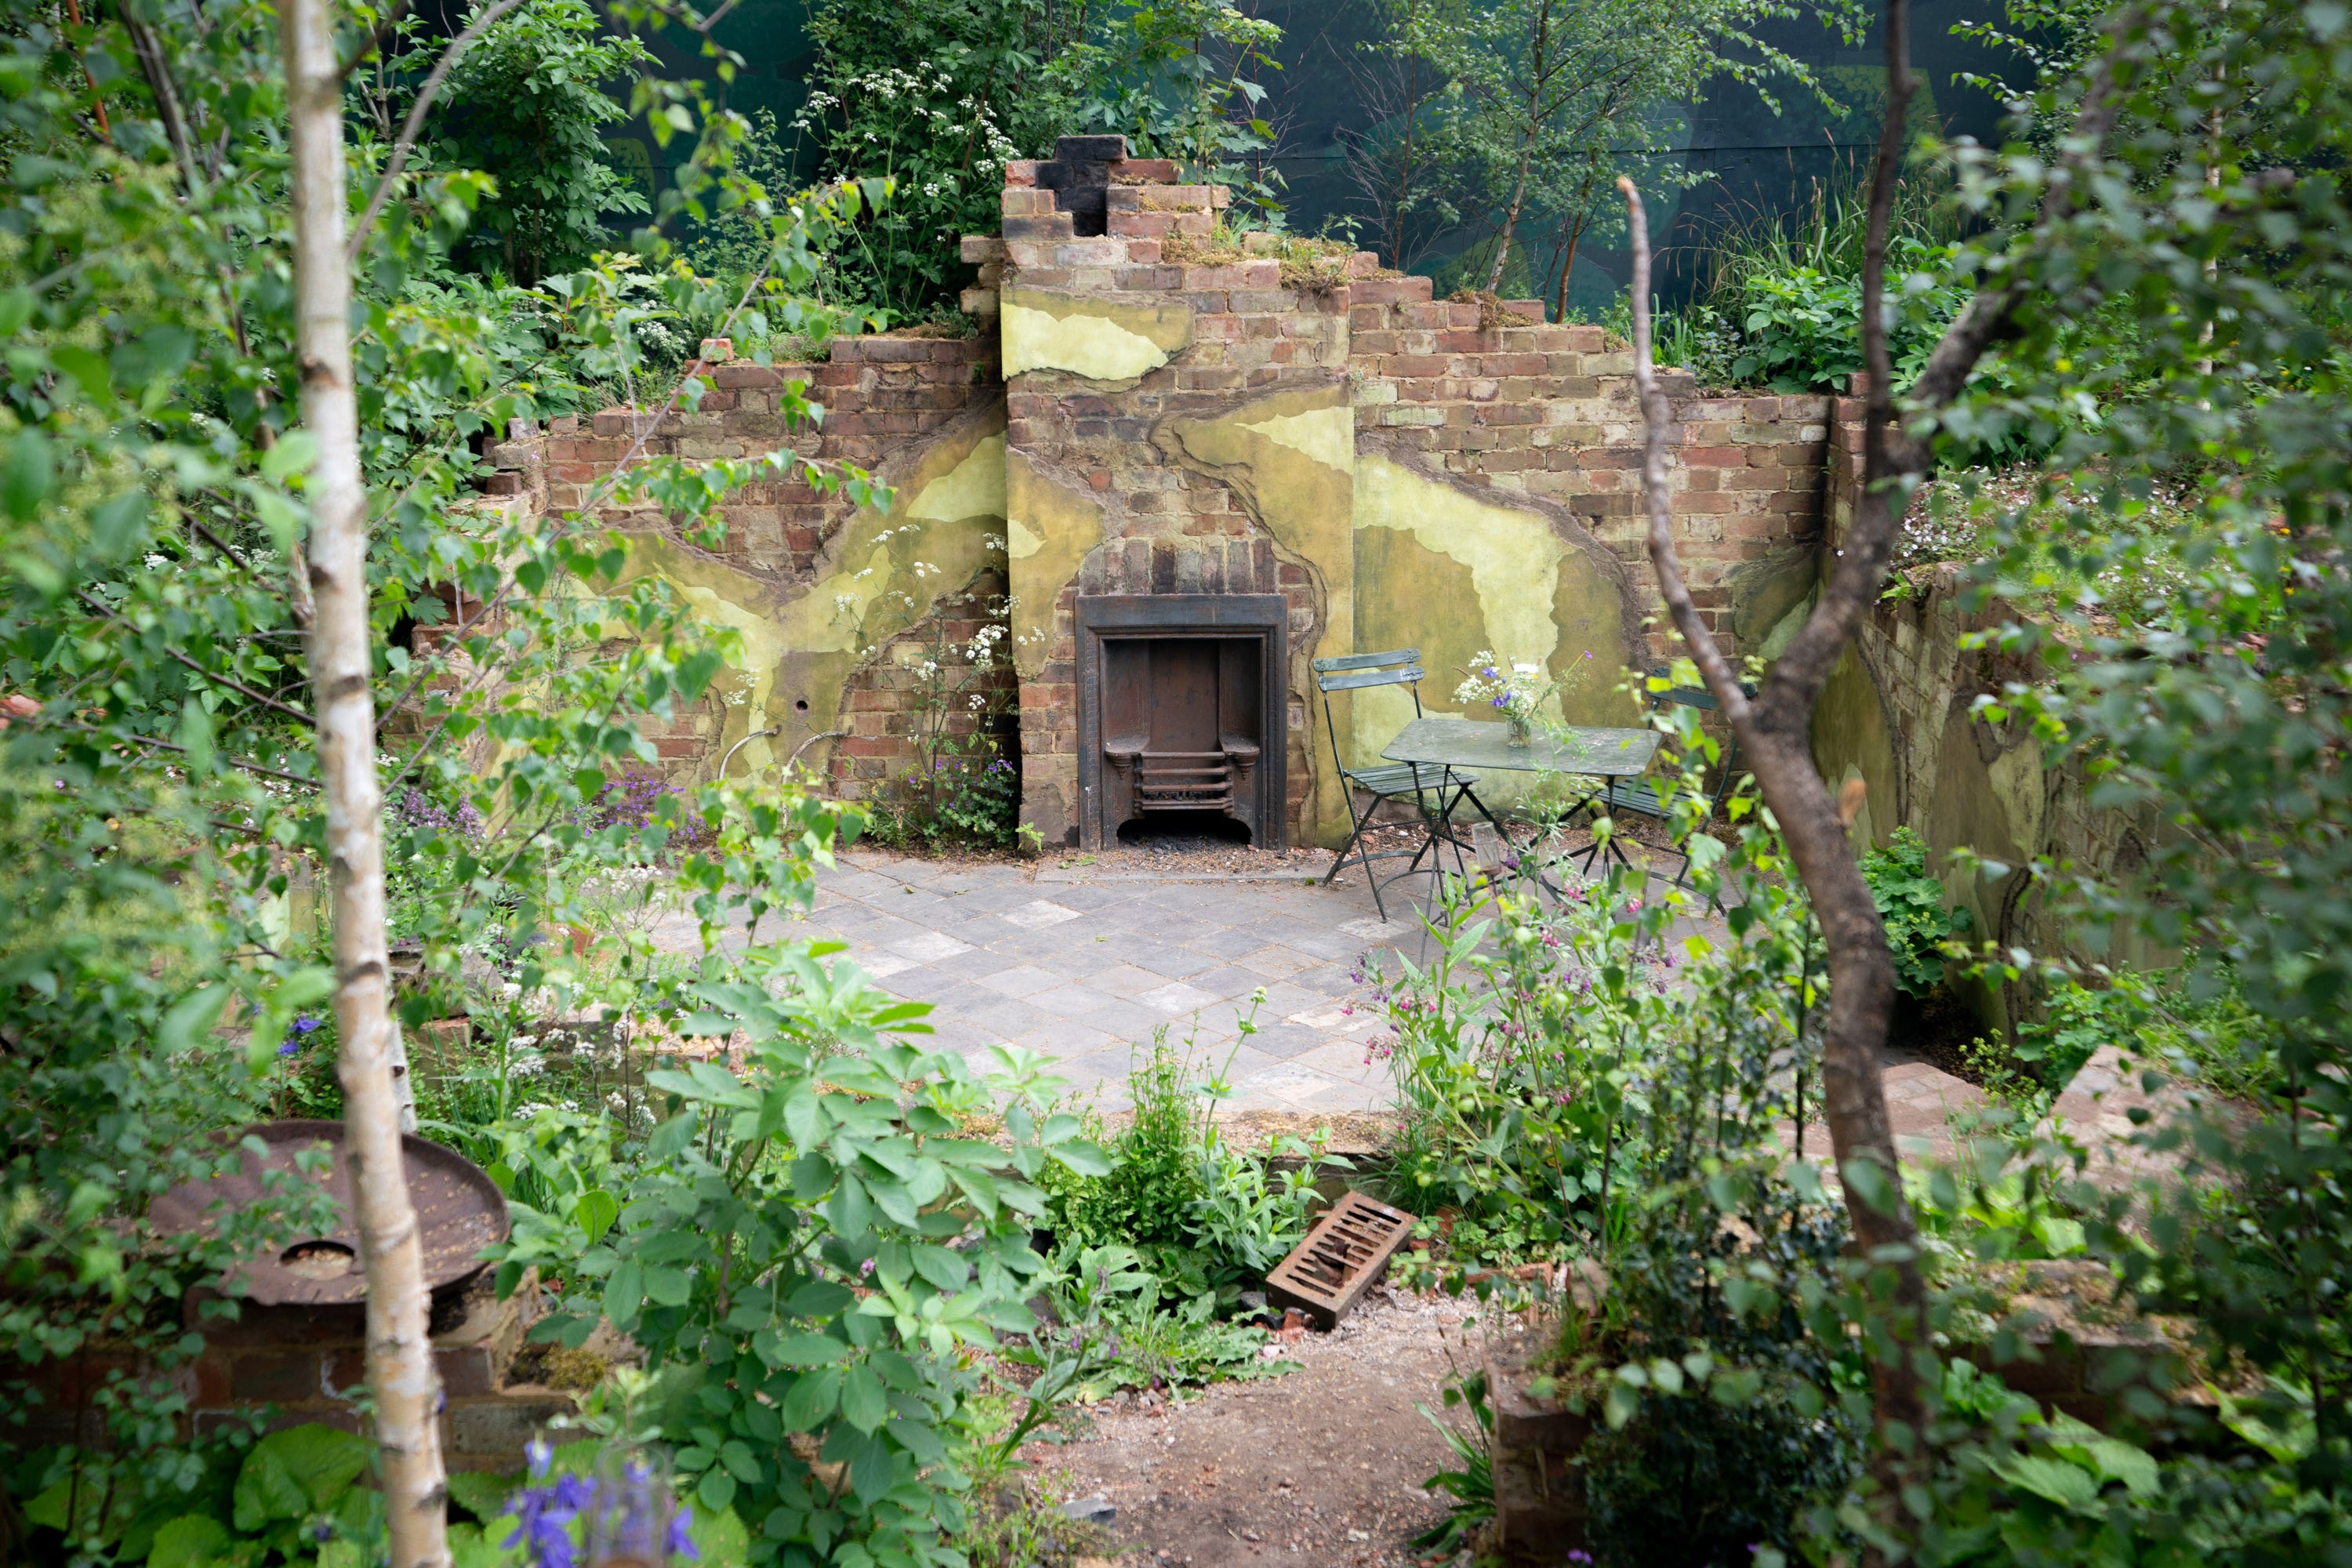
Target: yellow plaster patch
{"points": [[1326, 435], [1100, 340], [1514, 556], [1048, 532], [973, 488], [800, 643]]}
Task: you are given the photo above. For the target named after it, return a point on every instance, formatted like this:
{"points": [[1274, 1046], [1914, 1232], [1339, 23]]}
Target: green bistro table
{"points": [[1474, 747]]}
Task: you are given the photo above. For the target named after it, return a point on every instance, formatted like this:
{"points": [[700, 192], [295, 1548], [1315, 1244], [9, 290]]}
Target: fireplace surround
{"points": [[1181, 708]]}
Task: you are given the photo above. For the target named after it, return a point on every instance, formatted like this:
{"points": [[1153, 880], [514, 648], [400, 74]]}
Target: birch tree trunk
{"points": [[400, 1370]]}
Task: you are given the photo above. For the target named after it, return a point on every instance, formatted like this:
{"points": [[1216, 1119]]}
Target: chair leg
{"points": [[1363, 858]]}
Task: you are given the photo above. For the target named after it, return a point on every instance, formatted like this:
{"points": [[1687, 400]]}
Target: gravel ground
{"points": [[1322, 1465]]}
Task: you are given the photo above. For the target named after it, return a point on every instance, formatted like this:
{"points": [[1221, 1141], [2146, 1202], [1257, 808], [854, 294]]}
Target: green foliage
{"points": [[1180, 77], [1803, 329], [829, 1157], [1911, 902], [296, 1498], [527, 106], [1545, 105], [1704, 1356], [1114, 1328], [1145, 1201], [1202, 1216], [159, 803], [964, 788], [1526, 1046], [937, 97], [1473, 1485], [2222, 710]]}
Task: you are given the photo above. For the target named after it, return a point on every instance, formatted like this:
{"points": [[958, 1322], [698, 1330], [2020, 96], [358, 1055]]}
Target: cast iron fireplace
{"points": [[1180, 701]]}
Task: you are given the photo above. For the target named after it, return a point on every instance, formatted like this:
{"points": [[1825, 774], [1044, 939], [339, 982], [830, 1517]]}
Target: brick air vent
{"points": [[1343, 1257]]}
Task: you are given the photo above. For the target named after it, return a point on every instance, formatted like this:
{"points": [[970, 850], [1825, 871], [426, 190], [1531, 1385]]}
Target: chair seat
{"points": [[1640, 797], [1402, 778]]}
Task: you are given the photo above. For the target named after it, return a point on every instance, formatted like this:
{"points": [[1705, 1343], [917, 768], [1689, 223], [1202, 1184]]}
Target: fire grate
{"points": [[1343, 1257]]}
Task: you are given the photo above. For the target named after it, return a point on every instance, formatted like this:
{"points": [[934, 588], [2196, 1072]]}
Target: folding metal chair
{"points": [[1643, 797], [1417, 782]]}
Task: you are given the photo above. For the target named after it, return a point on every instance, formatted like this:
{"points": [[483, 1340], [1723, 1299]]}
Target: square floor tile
{"points": [[1171, 963], [881, 962], [1038, 913], [1119, 979], [1273, 963], [1289, 1081], [1228, 981], [1330, 1016], [1005, 1018], [1072, 1001], [1286, 1041], [1232, 943], [1175, 1000], [1065, 1040], [1022, 980], [927, 946]]}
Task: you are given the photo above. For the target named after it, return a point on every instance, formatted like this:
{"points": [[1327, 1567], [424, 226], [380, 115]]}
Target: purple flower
{"points": [[1502, 702], [288, 1048], [681, 1544], [543, 1517], [865, 1269], [304, 1023]]}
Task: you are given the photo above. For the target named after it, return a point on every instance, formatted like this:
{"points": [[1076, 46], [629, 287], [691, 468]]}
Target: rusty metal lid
{"points": [[460, 1211]]}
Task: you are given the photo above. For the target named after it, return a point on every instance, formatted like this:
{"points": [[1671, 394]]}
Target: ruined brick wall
{"points": [[1123, 474], [1546, 416], [1401, 470], [880, 395], [825, 591]]}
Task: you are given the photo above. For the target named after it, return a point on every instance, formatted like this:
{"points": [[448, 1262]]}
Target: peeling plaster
{"points": [[802, 641], [1326, 435], [1100, 339], [1290, 457]]}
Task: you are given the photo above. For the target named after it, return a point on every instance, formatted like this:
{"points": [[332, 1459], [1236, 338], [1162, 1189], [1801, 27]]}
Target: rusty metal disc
{"points": [[460, 1211]]}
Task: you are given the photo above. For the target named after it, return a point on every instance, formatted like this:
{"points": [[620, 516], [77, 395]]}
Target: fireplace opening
{"points": [[1182, 830], [1181, 718]]}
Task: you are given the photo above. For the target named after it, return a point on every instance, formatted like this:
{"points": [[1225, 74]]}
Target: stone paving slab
{"points": [[1085, 971]]}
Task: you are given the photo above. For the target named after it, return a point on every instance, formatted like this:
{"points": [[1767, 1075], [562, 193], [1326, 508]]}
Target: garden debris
{"points": [[1091, 1510], [1343, 1257]]}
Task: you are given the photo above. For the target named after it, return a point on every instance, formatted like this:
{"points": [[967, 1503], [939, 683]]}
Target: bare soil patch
{"points": [[1321, 1467]]}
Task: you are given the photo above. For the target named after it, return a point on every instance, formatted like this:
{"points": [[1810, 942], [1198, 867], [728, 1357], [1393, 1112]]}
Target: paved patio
{"points": [[1085, 970]]}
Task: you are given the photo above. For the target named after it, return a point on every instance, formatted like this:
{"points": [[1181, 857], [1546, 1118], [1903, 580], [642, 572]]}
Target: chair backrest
{"points": [[1355, 671], [1700, 697]]}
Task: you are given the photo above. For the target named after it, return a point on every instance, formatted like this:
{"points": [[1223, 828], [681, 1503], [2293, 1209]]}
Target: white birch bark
{"points": [[400, 1372]]}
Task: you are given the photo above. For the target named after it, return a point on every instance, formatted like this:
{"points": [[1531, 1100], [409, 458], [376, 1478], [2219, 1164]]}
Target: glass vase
{"points": [[1519, 726]]}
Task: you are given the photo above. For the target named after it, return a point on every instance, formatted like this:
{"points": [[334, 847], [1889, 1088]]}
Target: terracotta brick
{"points": [[1389, 291]]}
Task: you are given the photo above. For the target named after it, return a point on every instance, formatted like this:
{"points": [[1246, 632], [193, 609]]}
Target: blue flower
{"points": [[681, 1544], [1502, 702], [304, 1023], [288, 1048], [543, 1517]]}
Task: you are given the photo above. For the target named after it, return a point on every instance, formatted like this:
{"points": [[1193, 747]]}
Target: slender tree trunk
{"points": [[1775, 740], [1511, 213], [1568, 266], [400, 1372]]}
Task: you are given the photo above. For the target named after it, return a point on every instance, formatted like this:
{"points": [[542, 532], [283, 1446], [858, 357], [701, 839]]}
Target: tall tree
{"points": [[1547, 98], [1775, 727], [399, 1373]]}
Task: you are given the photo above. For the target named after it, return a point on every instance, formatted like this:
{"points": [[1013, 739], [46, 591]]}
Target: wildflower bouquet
{"points": [[1517, 691]]}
